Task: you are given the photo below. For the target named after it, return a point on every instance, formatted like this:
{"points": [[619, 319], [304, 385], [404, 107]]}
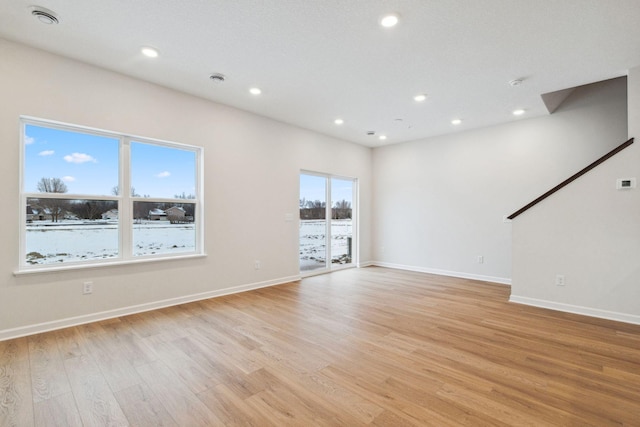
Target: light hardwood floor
{"points": [[357, 347]]}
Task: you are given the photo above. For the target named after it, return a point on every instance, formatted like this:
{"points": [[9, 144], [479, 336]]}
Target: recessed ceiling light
{"points": [[456, 122], [45, 16], [390, 20], [338, 121], [255, 91], [518, 112], [382, 137], [150, 52], [420, 98]]}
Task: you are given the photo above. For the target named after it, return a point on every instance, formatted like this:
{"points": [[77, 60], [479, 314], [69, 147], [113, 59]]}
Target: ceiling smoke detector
{"points": [[515, 82], [45, 16], [217, 77]]}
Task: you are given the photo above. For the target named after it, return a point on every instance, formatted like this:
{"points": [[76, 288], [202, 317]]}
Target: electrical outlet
{"points": [[257, 265], [480, 259], [560, 280], [87, 288]]}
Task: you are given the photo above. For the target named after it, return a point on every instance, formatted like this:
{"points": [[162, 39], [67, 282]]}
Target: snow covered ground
{"points": [[313, 247], [73, 241]]}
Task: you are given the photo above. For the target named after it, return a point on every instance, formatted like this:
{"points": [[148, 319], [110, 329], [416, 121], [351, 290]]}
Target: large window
{"points": [[90, 196]]}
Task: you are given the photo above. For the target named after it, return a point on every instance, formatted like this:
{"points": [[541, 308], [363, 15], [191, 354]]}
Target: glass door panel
{"points": [[341, 221], [313, 222]]}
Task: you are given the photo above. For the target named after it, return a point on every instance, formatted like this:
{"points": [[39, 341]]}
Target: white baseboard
{"points": [[365, 264], [110, 314], [501, 280], [575, 309]]}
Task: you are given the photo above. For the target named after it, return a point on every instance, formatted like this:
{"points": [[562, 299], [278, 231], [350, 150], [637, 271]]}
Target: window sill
{"points": [[105, 264]]}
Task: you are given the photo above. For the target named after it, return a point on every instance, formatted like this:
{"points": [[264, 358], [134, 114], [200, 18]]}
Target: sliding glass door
{"points": [[326, 228]]}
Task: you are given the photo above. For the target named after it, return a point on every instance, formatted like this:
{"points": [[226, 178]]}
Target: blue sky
{"points": [[160, 171], [312, 187], [88, 164]]}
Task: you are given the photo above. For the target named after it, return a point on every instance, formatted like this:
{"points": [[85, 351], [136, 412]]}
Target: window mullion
{"points": [[328, 218], [125, 220]]}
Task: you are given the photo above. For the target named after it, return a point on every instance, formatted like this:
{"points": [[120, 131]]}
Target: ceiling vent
{"points": [[371, 132], [44, 15], [217, 77]]}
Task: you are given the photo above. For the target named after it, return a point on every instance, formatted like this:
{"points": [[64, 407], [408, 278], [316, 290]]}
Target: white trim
{"points": [[37, 121], [108, 263], [501, 280], [319, 271], [22, 331], [576, 309], [125, 204]]}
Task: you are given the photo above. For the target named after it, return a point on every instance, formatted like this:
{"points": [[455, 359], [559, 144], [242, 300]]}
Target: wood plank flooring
{"points": [[358, 347]]}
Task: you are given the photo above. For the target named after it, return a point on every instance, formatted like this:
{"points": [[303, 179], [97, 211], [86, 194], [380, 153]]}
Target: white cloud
{"points": [[79, 158], [46, 153], [163, 174], [68, 178], [29, 140]]}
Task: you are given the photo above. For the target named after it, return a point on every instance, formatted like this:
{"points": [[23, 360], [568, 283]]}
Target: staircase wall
{"points": [[589, 233]]}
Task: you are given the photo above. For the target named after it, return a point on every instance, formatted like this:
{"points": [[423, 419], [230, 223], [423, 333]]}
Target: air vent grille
{"points": [[44, 16]]}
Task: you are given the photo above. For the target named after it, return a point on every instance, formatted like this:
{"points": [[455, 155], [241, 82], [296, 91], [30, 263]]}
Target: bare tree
{"points": [[52, 185], [184, 196], [116, 191], [342, 204], [315, 209], [91, 209], [341, 210], [56, 207], [315, 204]]}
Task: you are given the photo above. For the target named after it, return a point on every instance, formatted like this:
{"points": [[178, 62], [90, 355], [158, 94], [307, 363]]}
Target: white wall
{"points": [[249, 162], [439, 203], [590, 233]]}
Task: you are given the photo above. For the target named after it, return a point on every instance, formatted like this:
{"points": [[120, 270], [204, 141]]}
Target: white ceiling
{"points": [[317, 60]]}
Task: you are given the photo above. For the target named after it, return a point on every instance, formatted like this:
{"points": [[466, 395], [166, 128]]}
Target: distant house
{"points": [[37, 213], [175, 212], [157, 215], [40, 214], [110, 214]]}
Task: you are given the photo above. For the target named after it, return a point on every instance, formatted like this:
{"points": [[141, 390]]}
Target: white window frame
{"points": [[124, 199]]}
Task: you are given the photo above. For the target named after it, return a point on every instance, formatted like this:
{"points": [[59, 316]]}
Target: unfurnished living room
{"points": [[320, 213]]}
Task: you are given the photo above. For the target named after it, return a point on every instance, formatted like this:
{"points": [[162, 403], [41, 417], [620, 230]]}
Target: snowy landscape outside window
{"points": [[91, 196]]}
